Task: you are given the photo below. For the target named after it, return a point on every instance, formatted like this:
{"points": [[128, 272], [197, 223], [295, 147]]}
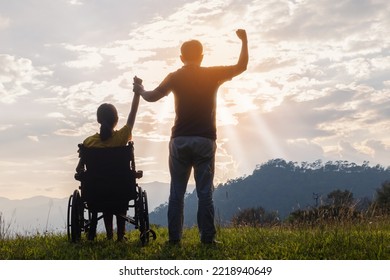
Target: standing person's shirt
{"points": [[119, 138], [195, 92]]}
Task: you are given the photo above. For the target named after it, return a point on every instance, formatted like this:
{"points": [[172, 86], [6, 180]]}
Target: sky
{"points": [[317, 84]]}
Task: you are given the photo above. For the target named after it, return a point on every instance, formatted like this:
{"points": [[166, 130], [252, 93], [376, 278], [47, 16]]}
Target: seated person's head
{"points": [[107, 116], [191, 52]]}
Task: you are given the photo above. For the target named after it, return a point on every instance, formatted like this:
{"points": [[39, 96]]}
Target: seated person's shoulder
{"points": [[123, 134], [92, 141], [119, 138]]}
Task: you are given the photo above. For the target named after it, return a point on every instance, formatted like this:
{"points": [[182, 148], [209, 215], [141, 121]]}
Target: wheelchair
{"points": [[107, 184]]}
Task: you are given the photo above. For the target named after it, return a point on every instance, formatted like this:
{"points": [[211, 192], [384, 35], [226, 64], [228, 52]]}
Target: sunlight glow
{"points": [[233, 148], [317, 83], [262, 131]]}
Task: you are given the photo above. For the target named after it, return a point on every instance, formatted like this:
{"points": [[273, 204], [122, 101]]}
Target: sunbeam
{"points": [[246, 138]]}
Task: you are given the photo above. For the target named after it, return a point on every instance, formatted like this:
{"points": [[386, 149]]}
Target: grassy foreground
{"points": [[369, 241]]}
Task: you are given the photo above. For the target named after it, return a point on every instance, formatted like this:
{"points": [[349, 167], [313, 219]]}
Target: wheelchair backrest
{"points": [[108, 159], [110, 175]]}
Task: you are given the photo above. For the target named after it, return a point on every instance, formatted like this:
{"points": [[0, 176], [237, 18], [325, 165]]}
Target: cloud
{"points": [[88, 57], [322, 20], [19, 77], [56, 115], [73, 130], [33, 138], [5, 127], [297, 78], [75, 2], [317, 85]]}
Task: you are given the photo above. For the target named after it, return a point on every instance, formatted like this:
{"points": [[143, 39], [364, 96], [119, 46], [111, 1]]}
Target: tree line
{"points": [[340, 205], [278, 188]]}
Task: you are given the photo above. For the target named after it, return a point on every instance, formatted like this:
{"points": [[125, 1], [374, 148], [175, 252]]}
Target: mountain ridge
{"points": [[276, 185], [283, 187]]}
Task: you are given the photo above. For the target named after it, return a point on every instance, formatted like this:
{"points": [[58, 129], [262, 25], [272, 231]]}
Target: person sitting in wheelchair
{"points": [[107, 117]]}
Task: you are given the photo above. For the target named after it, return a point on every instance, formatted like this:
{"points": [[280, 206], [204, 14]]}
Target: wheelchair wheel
{"points": [[143, 214], [68, 223], [75, 217]]}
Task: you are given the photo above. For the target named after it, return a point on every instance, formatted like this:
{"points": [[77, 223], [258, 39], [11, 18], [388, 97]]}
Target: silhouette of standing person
{"points": [[193, 136]]}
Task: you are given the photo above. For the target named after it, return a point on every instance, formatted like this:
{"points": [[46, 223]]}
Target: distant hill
{"points": [[34, 215], [282, 186]]}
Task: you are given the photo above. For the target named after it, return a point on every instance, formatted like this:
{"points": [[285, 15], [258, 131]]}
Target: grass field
{"points": [[362, 241]]}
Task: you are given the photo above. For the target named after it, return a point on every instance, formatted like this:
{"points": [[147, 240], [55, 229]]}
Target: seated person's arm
{"points": [[151, 95], [133, 111]]}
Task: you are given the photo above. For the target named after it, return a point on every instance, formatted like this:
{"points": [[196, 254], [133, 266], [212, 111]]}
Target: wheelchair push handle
{"points": [[139, 174]]}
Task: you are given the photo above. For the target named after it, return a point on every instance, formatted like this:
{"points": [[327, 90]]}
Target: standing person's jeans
{"points": [[186, 152]]}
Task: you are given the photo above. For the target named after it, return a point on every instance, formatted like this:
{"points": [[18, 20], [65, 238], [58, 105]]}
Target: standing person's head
{"points": [[191, 52], [107, 116]]}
